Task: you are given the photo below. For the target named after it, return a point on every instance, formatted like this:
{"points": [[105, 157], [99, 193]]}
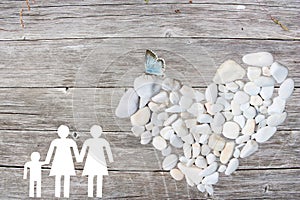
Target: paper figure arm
{"points": [[109, 153], [25, 171], [82, 152], [75, 150], [50, 152]]}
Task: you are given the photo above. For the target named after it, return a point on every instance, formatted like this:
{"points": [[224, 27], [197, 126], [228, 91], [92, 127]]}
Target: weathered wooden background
{"points": [[74, 59]]}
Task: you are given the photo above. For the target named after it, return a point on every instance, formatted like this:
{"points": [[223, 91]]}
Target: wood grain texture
{"points": [[74, 60], [152, 20], [115, 62]]}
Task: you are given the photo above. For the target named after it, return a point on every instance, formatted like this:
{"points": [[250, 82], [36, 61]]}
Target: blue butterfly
{"points": [[153, 64]]}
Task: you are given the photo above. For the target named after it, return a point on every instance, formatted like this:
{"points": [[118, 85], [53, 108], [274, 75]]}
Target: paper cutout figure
{"points": [[62, 164], [95, 164], [35, 167]]}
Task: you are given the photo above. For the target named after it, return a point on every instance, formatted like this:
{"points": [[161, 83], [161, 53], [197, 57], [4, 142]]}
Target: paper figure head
{"points": [[63, 131], [96, 131], [35, 156]]}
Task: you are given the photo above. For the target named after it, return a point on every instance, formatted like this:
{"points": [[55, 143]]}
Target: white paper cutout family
{"points": [[62, 164]]}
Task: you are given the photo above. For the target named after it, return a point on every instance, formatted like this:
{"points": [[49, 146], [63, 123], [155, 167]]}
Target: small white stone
{"points": [[216, 129], [231, 130], [241, 97], [154, 107], [196, 149], [167, 151], [232, 86], [259, 118], [256, 100], [265, 133], [250, 113], [174, 109], [201, 187], [241, 139], [186, 115], [253, 73], [236, 153], [222, 168], [211, 179], [286, 88], [229, 71], [228, 95], [260, 59], [240, 119], [183, 159], [169, 162], [251, 88], [267, 92], [170, 84], [210, 158], [162, 116], [175, 141], [170, 120], [205, 149], [155, 121], [187, 91], [229, 115], [180, 128], [203, 138], [128, 104], [240, 83], [224, 102], [235, 106], [141, 117], [146, 86], [199, 96], [277, 106], [166, 132], [161, 97], [244, 106], [264, 81], [249, 127], [174, 98], [155, 131], [219, 119], [187, 150], [279, 72], [149, 126], [209, 170], [190, 123], [203, 129], [217, 153], [176, 174], [188, 139], [266, 71], [201, 162], [190, 162], [209, 189], [232, 166], [215, 108], [146, 137], [276, 119], [216, 142], [137, 130], [159, 143], [196, 109], [250, 147], [222, 88], [204, 118], [185, 102], [211, 93], [227, 152], [192, 173]]}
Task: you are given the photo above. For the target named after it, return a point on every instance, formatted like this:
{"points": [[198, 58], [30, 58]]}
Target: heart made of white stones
{"points": [[214, 129]]}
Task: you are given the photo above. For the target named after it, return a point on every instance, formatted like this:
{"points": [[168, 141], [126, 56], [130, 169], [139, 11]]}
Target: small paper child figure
{"points": [[35, 167]]}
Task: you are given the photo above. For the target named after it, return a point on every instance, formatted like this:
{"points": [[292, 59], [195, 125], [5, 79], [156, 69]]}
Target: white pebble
{"points": [[232, 166], [266, 71], [203, 129], [204, 118], [176, 174], [159, 143], [185, 102], [161, 97], [201, 187], [222, 168], [241, 97], [174, 109], [236, 153], [241, 139], [253, 73], [276, 119], [169, 162], [187, 150], [196, 149], [264, 81], [250, 147], [211, 93], [267, 92], [279, 72], [256, 100], [146, 137], [141, 117], [174, 98], [227, 152], [180, 128], [189, 123], [205, 149], [236, 110], [240, 120], [170, 120], [259, 118], [137, 130], [175, 141], [231, 130], [167, 151], [250, 113], [203, 138], [187, 91], [216, 142], [201, 162], [228, 71], [286, 88], [219, 119], [192, 173], [210, 158], [211, 179], [166, 132], [251, 88], [277, 106], [209, 189], [209, 170], [249, 127], [265, 133], [196, 109], [232, 86], [128, 104], [260, 59], [188, 138]]}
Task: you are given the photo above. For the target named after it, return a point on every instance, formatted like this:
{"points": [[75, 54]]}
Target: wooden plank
{"points": [[282, 151], [153, 20], [253, 184], [46, 109], [116, 62]]}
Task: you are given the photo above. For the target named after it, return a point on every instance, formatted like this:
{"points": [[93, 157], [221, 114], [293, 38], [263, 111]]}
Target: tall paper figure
{"points": [[95, 164], [62, 164], [35, 167]]}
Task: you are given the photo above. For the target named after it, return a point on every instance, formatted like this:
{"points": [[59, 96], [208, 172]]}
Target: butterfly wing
{"points": [[154, 65]]}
